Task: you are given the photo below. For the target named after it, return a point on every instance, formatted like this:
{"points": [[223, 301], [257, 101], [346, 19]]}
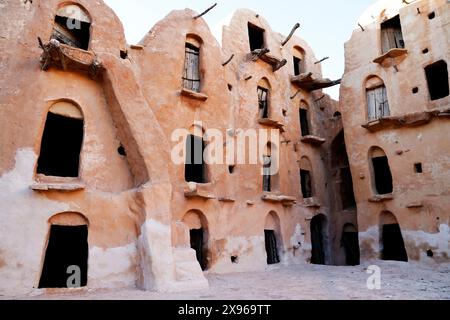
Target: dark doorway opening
{"points": [[317, 240], [195, 168], [60, 146], [304, 123], [256, 37], [306, 183], [391, 34], [271, 247], [297, 66], [67, 246], [437, 78], [196, 236], [383, 176], [350, 243], [72, 32], [393, 247]]}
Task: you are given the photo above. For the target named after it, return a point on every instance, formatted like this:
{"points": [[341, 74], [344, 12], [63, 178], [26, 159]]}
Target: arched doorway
{"points": [[318, 224], [392, 244], [67, 252], [62, 141], [350, 243], [272, 238], [198, 235]]}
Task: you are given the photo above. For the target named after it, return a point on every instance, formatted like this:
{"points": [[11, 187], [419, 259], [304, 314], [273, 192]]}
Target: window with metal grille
{"points": [[263, 101], [191, 76], [377, 103], [391, 34]]}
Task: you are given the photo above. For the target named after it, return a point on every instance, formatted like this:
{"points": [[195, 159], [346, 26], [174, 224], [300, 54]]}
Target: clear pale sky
{"points": [[325, 24]]}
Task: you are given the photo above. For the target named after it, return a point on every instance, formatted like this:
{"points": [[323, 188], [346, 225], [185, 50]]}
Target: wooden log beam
{"points": [[228, 61], [279, 65], [321, 60], [295, 94], [258, 53], [297, 25], [206, 11]]}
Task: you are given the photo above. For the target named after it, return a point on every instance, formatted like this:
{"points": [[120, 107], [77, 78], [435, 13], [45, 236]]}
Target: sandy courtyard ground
{"points": [[398, 281]]}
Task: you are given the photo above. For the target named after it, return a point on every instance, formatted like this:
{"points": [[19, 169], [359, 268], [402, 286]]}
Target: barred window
{"points": [[191, 76]]}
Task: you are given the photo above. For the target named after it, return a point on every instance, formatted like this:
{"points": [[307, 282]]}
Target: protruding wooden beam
{"points": [[322, 97], [321, 60], [41, 44], [206, 11], [279, 65], [258, 53], [228, 61], [295, 94], [297, 25]]}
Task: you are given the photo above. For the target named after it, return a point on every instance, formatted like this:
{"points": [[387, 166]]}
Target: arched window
{"points": [[381, 172], [304, 119], [391, 242], [299, 61], [62, 140], [198, 235], [306, 179], [264, 98], [67, 252], [72, 26], [272, 237], [270, 168], [191, 75], [377, 100], [195, 166]]}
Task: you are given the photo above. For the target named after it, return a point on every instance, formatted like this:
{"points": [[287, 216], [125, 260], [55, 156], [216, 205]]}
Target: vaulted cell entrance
{"points": [[392, 244], [66, 257], [198, 236], [61, 141], [318, 224], [350, 243], [272, 238]]}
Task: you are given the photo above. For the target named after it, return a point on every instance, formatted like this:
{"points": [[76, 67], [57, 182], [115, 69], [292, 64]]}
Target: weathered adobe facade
{"points": [[129, 216], [395, 106]]}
